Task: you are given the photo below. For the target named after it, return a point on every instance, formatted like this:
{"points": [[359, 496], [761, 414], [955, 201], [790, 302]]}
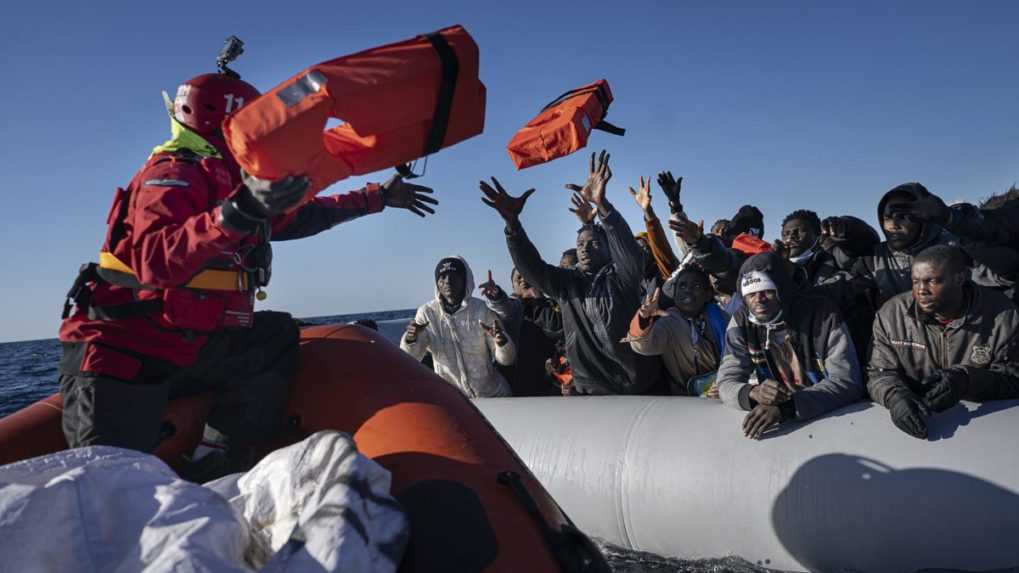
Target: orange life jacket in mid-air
{"points": [[563, 126], [398, 102]]}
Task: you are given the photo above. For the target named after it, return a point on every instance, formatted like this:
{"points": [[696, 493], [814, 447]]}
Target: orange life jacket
{"points": [[750, 245], [399, 102], [563, 126]]}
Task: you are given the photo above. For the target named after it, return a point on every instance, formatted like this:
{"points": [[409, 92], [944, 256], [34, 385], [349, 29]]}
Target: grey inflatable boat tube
{"points": [[848, 492]]}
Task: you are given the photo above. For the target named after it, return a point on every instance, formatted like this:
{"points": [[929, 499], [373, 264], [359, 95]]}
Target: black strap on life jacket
{"points": [[81, 296], [443, 101], [599, 92]]}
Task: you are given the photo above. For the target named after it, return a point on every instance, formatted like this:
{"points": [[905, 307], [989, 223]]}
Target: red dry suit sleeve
{"points": [[324, 213], [173, 225]]}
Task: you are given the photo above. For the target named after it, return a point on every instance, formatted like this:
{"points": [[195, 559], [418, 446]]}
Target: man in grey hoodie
{"points": [[796, 344], [597, 297]]}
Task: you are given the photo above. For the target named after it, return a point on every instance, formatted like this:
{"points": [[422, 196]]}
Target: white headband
{"points": [[756, 281]]}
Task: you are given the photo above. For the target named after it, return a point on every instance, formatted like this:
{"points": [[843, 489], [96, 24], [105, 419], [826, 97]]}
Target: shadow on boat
{"points": [[848, 513]]}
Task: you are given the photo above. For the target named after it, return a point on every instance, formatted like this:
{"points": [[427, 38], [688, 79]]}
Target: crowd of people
{"points": [[788, 330]]}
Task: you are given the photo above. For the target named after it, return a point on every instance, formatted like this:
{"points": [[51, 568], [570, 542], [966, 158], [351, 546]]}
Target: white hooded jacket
{"points": [[461, 351]]}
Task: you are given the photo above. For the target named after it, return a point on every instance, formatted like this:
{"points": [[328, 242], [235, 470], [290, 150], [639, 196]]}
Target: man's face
{"points": [[568, 261], [799, 236], [592, 253], [523, 289], [901, 229], [692, 293], [764, 305], [451, 288], [936, 289]]}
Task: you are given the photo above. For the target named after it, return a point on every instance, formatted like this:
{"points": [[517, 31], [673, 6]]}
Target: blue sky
{"points": [[786, 105]]}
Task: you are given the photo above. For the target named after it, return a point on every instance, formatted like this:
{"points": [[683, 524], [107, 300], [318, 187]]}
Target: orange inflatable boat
{"points": [[398, 102], [563, 126], [472, 503]]}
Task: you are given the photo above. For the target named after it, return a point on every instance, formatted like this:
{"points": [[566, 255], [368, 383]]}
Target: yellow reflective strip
{"points": [[211, 279], [219, 280], [108, 261]]}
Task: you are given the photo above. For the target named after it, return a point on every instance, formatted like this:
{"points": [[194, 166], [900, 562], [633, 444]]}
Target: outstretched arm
{"points": [[326, 212], [549, 279], [624, 249], [665, 258]]}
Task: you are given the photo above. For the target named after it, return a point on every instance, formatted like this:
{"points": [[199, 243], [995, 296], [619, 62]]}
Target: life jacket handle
{"points": [[599, 92], [443, 103]]}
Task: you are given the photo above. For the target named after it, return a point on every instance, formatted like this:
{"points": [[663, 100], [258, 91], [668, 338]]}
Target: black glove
{"points": [[270, 198], [908, 413], [944, 388], [259, 200]]}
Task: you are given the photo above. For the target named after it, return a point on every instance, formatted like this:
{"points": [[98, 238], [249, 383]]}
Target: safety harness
{"points": [[254, 261]]}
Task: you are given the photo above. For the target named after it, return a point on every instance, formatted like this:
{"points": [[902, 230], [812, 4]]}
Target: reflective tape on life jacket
{"points": [[563, 126], [209, 279], [398, 102]]}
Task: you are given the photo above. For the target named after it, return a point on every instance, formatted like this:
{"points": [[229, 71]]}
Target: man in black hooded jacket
{"points": [[597, 297], [817, 270], [888, 266], [795, 343]]}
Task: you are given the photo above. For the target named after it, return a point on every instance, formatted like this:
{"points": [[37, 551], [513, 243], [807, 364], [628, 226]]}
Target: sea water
{"points": [[28, 373]]}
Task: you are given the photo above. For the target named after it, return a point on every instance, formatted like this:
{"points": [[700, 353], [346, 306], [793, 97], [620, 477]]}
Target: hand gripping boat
{"points": [[398, 102], [472, 504], [563, 126]]}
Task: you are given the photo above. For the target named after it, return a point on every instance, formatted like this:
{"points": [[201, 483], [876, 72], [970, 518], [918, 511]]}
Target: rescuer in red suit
{"points": [[169, 309]]}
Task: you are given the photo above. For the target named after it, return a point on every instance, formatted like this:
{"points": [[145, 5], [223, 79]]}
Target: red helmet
{"points": [[204, 101]]}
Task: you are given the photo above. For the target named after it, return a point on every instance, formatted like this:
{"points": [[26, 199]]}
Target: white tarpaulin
{"points": [[314, 506]]}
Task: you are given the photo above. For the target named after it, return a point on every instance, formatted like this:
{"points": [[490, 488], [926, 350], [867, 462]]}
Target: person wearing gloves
{"points": [[597, 297], [689, 335], [169, 308], [795, 343], [464, 336], [945, 340]]}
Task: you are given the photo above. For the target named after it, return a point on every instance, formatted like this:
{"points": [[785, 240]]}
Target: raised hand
{"points": [[672, 187], [494, 331], [402, 195], [414, 328], [490, 290], [597, 178], [643, 197], [584, 211], [833, 232], [687, 230], [650, 308], [508, 206], [929, 209]]}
